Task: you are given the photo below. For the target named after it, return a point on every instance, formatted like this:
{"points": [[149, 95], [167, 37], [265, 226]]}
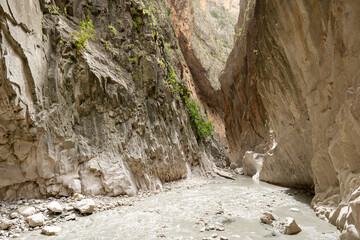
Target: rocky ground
{"points": [[34, 214], [198, 213]]}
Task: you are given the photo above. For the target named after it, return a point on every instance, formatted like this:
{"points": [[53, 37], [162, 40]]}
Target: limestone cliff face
{"points": [[205, 30], [102, 120], [297, 65]]}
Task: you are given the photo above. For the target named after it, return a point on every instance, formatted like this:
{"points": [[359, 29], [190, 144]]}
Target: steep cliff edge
{"points": [[292, 82], [107, 118]]}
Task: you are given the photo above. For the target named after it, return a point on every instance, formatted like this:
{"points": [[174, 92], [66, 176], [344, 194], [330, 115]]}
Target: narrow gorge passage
{"points": [[137, 119], [183, 212]]}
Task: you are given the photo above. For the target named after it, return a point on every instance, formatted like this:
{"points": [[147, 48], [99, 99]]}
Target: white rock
{"points": [[27, 211], [70, 217], [51, 230], [5, 224], [55, 207], [14, 215], [223, 238], [294, 210], [85, 206], [36, 220]]}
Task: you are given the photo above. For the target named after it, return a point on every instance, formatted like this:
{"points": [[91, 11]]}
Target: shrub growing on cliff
{"points": [[86, 32], [203, 128]]}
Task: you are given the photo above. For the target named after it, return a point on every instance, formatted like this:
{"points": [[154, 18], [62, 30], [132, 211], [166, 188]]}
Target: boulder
{"points": [[36, 220], [51, 230], [27, 211], [85, 206], [5, 224], [55, 207], [252, 163]]}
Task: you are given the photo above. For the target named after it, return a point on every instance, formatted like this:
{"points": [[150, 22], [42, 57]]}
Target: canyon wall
{"points": [[293, 83], [100, 119], [205, 29]]}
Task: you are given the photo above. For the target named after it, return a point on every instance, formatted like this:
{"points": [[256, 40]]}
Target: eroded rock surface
{"points": [[100, 120], [292, 84]]}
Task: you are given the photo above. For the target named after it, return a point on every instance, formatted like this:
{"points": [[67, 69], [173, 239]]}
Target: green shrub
{"points": [[203, 128], [112, 29], [86, 32]]}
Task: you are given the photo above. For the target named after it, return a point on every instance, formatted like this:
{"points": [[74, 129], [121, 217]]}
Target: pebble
{"points": [[51, 230], [294, 210], [14, 215], [70, 217], [220, 229], [223, 238]]}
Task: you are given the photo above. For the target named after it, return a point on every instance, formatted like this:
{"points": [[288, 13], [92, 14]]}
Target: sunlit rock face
{"points": [[295, 70], [98, 121]]}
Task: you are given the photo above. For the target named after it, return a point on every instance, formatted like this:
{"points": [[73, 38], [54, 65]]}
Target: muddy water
{"points": [[180, 213]]}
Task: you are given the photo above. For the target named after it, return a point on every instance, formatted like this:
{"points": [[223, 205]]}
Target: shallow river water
{"points": [[180, 213]]}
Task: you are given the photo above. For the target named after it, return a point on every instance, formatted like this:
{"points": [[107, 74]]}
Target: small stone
{"points": [[16, 236], [55, 207], [214, 235], [5, 224], [14, 215], [36, 220], [294, 210], [27, 211], [78, 196], [85, 206], [269, 215], [291, 227], [220, 229], [70, 217], [267, 218], [161, 235], [223, 238], [69, 208], [51, 230]]}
